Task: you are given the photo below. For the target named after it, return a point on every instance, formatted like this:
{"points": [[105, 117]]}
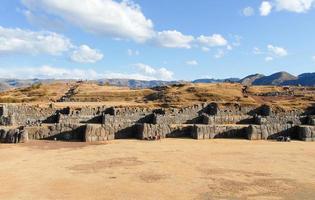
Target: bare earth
{"points": [[167, 169]]}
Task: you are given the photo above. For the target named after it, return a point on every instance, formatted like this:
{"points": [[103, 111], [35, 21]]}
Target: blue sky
{"points": [[145, 39]]}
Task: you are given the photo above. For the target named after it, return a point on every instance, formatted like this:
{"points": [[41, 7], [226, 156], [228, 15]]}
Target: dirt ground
{"points": [[167, 169]]}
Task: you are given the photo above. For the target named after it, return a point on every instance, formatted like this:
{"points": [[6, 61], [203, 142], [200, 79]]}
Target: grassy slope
{"points": [[176, 95]]}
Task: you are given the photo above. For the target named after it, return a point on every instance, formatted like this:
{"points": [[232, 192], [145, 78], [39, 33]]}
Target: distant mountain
{"points": [[275, 79], [306, 79], [4, 87], [136, 83], [248, 80], [280, 78], [211, 80]]}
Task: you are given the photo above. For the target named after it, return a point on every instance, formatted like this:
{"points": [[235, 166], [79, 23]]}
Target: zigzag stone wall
{"points": [[201, 121]]}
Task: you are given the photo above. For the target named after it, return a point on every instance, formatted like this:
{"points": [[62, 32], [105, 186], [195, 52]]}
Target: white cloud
{"points": [[131, 52], [265, 8], [103, 17], [49, 72], [29, 42], [214, 40], [173, 39], [43, 21], [155, 73], [298, 6], [248, 11], [118, 19], [268, 59], [85, 54], [277, 51], [145, 68], [313, 58], [192, 62]]}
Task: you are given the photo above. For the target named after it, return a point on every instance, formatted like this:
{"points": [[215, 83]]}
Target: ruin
{"points": [[23, 122]]}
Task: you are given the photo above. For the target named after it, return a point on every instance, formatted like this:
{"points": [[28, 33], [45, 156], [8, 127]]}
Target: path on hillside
{"points": [[70, 93]]}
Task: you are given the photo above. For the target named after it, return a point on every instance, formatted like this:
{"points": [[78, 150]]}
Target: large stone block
{"points": [[218, 131], [271, 131], [307, 133], [148, 131], [13, 135]]}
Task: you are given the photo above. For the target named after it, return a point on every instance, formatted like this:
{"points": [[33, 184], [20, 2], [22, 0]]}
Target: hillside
{"points": [[275, 79], [175, 95], [280, 78], [249, 80]]}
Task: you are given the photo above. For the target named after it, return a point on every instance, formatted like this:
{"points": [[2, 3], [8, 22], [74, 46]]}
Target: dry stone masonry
{"points": [[23, 122]]}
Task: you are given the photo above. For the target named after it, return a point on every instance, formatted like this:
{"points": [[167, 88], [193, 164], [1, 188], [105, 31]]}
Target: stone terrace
{"points": [[22, 122]]}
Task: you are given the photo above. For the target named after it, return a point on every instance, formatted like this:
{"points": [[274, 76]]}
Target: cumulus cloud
{"points": [[298, 6], [248, 11], [119, 20], [103, 17], [277, 51], [192, 62], [49, 72], [155, 73], [271, 52], [265, 8], [173, 39], [19, 41], [43, 21], [30, 42], [214, 40], [85, 54]]}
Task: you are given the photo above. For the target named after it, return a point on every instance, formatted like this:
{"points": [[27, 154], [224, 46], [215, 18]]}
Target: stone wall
{"points": [[148, 131], [311, 120], [271, 131], [104, 132], [230, 109], [307, 133], [77, 118], [279, 119], [201, 132], [13, 135], [201, 121], [64, 132], [227, 119], [192, 118], [24, 114]]}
